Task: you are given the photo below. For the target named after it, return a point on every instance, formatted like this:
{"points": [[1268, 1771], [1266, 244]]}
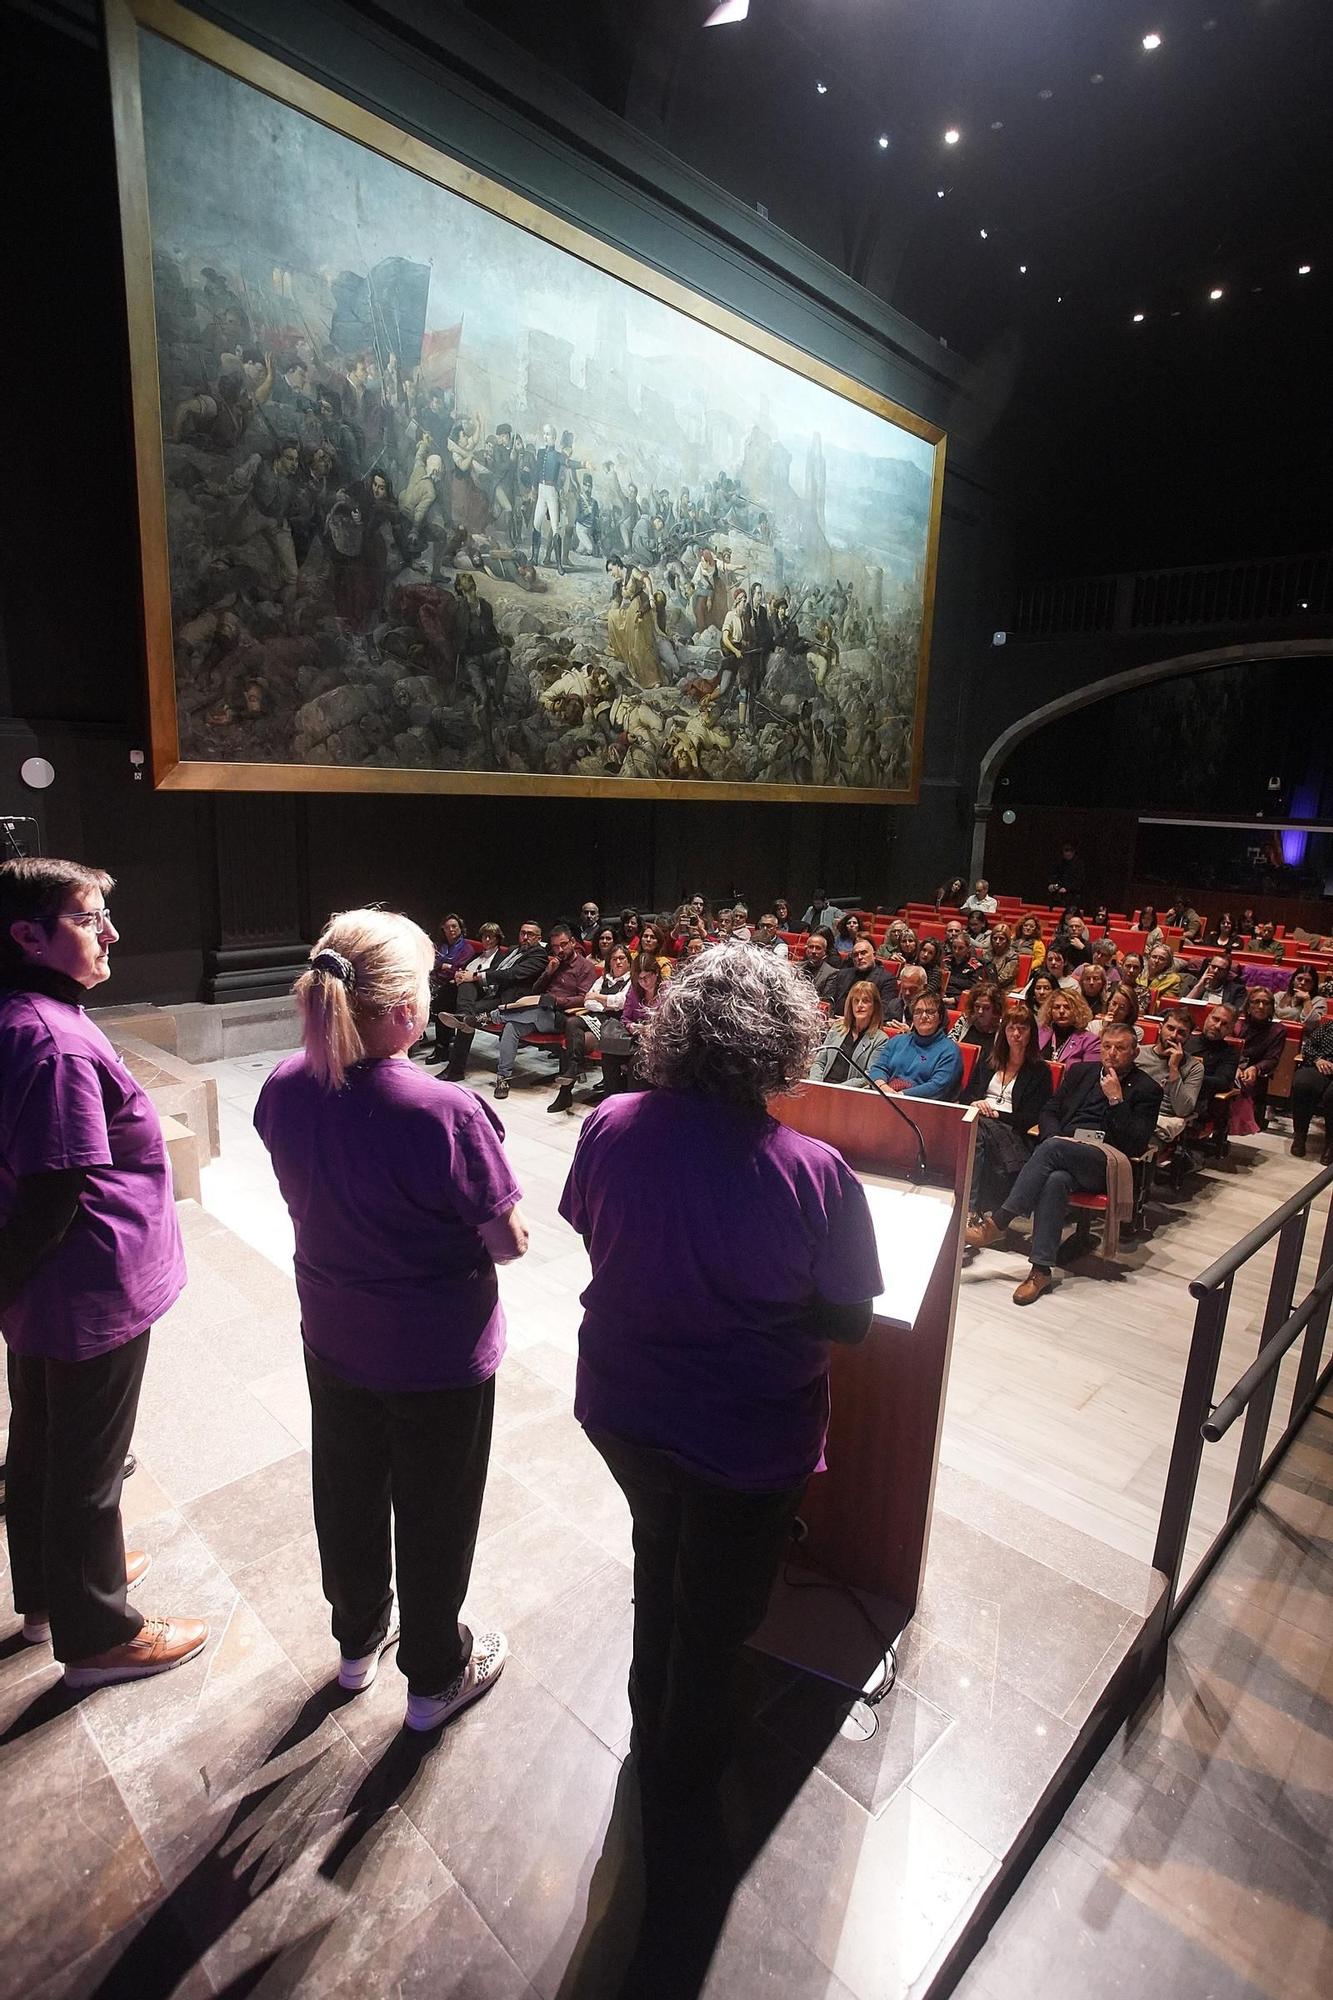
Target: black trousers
{"points": [[705, 1559], [70, 1427], [408, 1465], [1311, 1097]]}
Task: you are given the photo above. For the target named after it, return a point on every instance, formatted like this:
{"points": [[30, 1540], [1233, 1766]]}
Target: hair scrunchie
{"points": [[336, 966]]}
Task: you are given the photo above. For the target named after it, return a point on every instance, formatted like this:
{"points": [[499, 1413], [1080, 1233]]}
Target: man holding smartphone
{"points": [[1099, 1105]]}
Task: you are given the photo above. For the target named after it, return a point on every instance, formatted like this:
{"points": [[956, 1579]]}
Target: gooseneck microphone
{"points": [[921, 1171]]}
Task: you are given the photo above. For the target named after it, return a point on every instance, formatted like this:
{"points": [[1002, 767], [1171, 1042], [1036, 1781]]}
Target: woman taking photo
{"points": [[90, 1258], [402, 1201], [1009, 1087], [727, 1253], [860, 1033]]}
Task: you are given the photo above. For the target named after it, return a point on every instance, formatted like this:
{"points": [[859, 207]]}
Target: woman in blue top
{"points": [[924, 1063]]}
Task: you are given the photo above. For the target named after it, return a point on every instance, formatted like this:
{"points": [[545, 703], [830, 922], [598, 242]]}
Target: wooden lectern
{"points": [[868, 1513]]}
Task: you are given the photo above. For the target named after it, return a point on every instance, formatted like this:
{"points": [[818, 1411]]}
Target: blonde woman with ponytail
{"points": [[403, 1203]]}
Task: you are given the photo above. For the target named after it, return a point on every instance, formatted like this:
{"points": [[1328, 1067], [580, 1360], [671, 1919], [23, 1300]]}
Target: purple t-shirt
{"points": [[710, 1231], [67, 1100], [389, 1181]]}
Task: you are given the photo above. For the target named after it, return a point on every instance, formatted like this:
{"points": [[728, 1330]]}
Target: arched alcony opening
{"points": [[999, 752]]}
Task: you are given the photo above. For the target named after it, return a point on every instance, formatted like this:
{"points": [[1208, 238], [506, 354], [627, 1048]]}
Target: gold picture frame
{"points": [[176, 765]]}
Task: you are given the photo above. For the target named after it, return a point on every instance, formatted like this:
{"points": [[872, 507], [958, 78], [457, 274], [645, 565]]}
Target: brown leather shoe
{"points": [[980, 1235], [163, 1643], [1032, 1287], [137, 1563]]}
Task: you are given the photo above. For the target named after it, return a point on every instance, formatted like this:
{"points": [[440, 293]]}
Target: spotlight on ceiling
{"points": [[1215, 294], [1302, 270], [1022, 270], [729, 10], [1045, 95], [822, 88], [939, 194], [1096, 77], [952, 136], [883, 142], [997, 124], [984, 235], [1139, 318], [1152, 41]]}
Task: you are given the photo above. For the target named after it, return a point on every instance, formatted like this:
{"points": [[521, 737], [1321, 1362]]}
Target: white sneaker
{"points": [[37, 1631], [490, 1650], [357, 1674]]}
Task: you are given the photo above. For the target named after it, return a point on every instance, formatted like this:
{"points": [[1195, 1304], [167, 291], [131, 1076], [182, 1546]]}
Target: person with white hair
{"points": [[403, 1203]]}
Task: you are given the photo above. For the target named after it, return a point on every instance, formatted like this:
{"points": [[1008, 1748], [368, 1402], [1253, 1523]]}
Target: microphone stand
{"points": [[921, 1171]]}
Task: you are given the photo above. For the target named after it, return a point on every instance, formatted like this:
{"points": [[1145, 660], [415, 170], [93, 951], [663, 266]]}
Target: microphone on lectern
{"points": [[921, 1171]]}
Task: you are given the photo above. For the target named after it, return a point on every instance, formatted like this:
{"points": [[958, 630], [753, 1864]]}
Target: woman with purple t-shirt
{"points": [[727, 1252], [90, 1258], [403, 1202]]}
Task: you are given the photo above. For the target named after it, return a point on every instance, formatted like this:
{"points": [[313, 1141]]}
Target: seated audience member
{"points": [[1312, 1088], [907, 948], [821, 913], [931, 960], [602, 1004], [962, 968], [467, 986], [1057, 969], [558, 987], [682, 917], [816, 967], [949, 894], [619, 1051], [859, 1033], [1220, 1061], [898, 1013], [590, 920], [1095, 989], [510, 974], [1182, 916], [1122, 1010], [727, 1251], [451, 954], [629, 929], [1222, 935], [893, 937], [1073, 939], [981, 899], [654, 941], [1009, 1086], [1100, 921], [924, 1062], [1266, 940], [1131, 971], [1245, 924], [1262, 1041], [1219, 982], [1301, 1001], [1100, 1119], [978, 1020], [403, 1202], [782, 912], [1030, 942], [1146, 922], [978, 934], [695, 946], [1168, 1063], [863, 965], [954, 930], [1063, 1033], [1106, 954], [1036, 993], [740, 923], [1003, 956], [724, 923], [766, 937], [604, 941], [1160, 983], [845, 933]]}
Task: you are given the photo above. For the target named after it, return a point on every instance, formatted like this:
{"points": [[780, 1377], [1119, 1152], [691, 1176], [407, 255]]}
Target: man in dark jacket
{"points": [[510, 976], [1111, 1101], [862, 965], [1220, 1058]]}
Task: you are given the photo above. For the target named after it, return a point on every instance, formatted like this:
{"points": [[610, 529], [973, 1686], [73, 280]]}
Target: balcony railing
{"points": [[1217, 595]]}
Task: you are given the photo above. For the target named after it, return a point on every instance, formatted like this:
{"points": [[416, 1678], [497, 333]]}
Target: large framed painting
{"points": [[441, 493]]}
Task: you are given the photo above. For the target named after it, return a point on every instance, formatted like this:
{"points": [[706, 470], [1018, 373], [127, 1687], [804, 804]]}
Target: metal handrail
{"points": [[1226, 1412], [1263, 1232]]}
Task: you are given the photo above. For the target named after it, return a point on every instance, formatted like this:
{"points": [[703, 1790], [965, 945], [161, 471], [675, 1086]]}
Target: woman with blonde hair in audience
{"points": [[1122, 1010], [860, 1033], [1160, 983], [1096, 990], [1009, 1086], [402, 1202], [1301, 1000], [1030, 942], [1003, 956], [1063, 1033]]}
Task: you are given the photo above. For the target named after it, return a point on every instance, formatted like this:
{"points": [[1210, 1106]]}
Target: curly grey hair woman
{"points": [[727, 1252]]}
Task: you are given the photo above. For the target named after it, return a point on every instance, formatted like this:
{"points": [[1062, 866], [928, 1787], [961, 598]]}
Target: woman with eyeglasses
{"points": [[90, 1259]]}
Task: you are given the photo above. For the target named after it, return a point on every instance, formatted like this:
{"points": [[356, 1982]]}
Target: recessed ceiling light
{"points": [[1022, 270], [1139, 318], [983, 235], [1044, 94], [883, 142], [1096, 77], [952, 136], [822, 88], [997, 124], [1152, 41], [1060, 298], [1209, 25], [1302, 270], [939, 194], [1215, 293]]}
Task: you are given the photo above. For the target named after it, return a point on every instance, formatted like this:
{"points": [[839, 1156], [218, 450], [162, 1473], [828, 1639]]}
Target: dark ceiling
{"points": [[1201, 431]]}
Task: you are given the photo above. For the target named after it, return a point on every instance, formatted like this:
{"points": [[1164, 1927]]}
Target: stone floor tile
{"points": [[869, 1752], [988, 1776], [252, 1517], [554, 1459], [447, 1950], [199, 1428], [521, 1396], [529, 1564], [507, 1500], [579, 1648], [285, 1590]]}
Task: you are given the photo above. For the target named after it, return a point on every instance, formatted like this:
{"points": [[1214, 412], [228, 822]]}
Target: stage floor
{"points": [[239, 1820]]}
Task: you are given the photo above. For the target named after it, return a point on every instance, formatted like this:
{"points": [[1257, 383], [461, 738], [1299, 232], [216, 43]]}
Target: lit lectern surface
{"points": [[852, 1584]]}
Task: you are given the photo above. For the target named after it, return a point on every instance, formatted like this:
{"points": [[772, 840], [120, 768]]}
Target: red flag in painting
{"points": [[439, 356]]}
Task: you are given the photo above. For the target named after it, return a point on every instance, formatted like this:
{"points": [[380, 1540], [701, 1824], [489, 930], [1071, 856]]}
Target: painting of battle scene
{"points": [[443, 497]]}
